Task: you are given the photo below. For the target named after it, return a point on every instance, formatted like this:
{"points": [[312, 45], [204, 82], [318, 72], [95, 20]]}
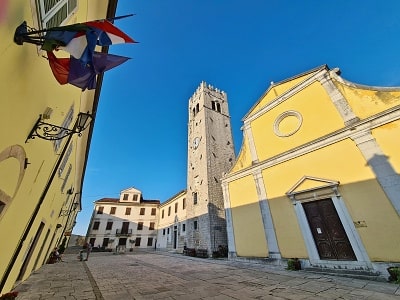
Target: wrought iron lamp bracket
{"points": [[53, 132]]}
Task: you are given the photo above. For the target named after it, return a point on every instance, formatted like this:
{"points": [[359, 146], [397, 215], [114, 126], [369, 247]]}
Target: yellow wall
{"points": [[367, 102], [28, 87], [315, 107], [247, 220]]}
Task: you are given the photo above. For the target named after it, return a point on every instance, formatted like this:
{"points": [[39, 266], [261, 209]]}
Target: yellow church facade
{"points": [[40, 180], [317, 176]]}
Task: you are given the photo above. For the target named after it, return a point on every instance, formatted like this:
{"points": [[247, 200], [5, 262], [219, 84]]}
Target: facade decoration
{"points": [[317, 177]]}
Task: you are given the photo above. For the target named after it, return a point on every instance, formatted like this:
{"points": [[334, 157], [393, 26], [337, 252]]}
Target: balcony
{"points": [[123, 232]]}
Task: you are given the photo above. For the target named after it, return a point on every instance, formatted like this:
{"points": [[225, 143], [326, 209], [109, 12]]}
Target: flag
{"points": [[70, 70], [81, 39]]}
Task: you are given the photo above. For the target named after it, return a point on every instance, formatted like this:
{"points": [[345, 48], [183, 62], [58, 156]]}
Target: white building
{"points": [[127, 222]]}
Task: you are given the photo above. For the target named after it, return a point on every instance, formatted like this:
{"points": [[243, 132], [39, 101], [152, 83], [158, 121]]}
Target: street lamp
{"points": [[53, 132]]}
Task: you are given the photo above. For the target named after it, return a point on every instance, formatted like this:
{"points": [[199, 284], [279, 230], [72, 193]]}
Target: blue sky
{"points": [[140, 133]]}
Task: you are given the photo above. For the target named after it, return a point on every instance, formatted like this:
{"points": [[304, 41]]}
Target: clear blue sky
{"points": [[140, 133]]}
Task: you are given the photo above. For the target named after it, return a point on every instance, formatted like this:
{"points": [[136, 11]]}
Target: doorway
{"points": [[327, 230]]}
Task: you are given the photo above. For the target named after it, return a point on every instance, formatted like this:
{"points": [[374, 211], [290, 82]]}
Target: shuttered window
{"points": [[55, 12]]}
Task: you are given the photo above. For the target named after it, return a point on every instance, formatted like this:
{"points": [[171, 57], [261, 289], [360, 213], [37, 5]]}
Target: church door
{"points": [[328, 232]]}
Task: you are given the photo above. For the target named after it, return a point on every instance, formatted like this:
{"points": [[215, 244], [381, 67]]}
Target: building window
{"points": [[183, 227], [135, 197], [142, 211], [150, 241], [140, 226], [176, 207], [125, 197], [184, 203], [100, 210], [54, 13], [96, 225], [194, 198], [66, 123], [105, 242], [91, 241], [128, 211], [153, 211], [168, 230], [65, 159], [137, 242], [169, 210], [218, 107], [109, 225], [112, 210], [162, 214], [163, 231], [151, 225], [213, 105], [195, 225]]}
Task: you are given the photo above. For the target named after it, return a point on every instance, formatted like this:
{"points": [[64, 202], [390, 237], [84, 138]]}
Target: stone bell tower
{"points": [[210, 154]]}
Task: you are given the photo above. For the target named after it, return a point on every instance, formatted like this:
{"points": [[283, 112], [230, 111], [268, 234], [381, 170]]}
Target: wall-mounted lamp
{"points": [[52, 132]]}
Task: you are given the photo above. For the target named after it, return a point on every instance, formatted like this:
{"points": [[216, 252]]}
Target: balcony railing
{"points": [[123, 232]]}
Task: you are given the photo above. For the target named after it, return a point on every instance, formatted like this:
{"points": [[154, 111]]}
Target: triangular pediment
{"points": [[309, 183], [131, 190]]}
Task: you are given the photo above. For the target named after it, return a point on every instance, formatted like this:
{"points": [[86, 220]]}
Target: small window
{"points": [[176, 207], [150, 241], [92, 241], [142, 211], [112, 210], [153, 211], [162, 214], [151, 225], [197, 108], [96, 225], [109, 225], [169, 210], [105, 242], [163, 231], [125, 197], [135, 197], [128, 211], [168, 230], [183, 227], [55, 13], [194, 198], [100, 210], [184, 203], [213, 105], [218, 107], [140, 226], [137, 242], [195, 225]]}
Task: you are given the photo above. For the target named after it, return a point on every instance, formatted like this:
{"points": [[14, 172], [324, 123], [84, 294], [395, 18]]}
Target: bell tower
{"points": [[210, 154]]}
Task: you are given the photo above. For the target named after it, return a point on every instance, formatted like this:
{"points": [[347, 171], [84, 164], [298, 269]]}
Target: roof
{"points": [[114, 200]]}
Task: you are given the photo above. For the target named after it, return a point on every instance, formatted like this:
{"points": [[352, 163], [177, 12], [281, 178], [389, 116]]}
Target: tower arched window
{"points": [[218, 107], [197, 108]]}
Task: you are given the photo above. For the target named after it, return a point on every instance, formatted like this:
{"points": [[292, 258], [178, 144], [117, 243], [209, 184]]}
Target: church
{"points": [[316, 178]]}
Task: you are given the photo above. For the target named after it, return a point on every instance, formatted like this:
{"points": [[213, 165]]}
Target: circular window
{"points": [[287, 123]]}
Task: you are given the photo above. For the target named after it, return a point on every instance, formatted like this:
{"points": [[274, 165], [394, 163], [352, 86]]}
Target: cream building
{"points": [[317, 176], [125, 222], [172, 222]]}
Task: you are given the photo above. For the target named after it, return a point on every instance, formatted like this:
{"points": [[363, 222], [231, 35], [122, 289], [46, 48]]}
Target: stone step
{"points": [[357, 274]]}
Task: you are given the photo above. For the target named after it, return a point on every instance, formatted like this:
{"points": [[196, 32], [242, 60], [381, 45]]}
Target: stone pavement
{"points": [[161, 275]]}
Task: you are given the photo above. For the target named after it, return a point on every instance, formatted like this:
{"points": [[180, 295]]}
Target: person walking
{"points": [[88, 250]]}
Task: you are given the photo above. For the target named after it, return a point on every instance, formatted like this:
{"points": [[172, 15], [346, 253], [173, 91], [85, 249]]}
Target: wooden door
{"points": [[328, 232]]}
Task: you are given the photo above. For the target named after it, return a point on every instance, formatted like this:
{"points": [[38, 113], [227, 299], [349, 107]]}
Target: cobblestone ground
{"points": [[160, 275]]}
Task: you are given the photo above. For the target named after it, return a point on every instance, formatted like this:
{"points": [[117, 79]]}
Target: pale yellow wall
{"points": [[28, 87], [388, 138], [244, 158], [367, 102], [246, 217], [277, 90], [316, 109], [361, 193], [290, 238]]}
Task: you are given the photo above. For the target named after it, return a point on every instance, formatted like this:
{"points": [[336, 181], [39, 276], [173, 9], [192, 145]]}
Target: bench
{"points": [[202, 253], [189, 251]]}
